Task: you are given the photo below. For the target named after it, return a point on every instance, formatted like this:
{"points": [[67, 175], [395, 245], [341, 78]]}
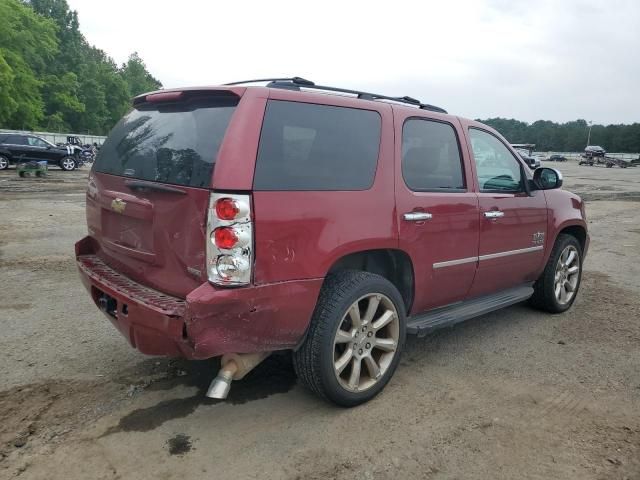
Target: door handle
{"points": [[494, 214], [417, 216]]}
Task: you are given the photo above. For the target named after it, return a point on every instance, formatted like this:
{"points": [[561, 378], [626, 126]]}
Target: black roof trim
{"points": [[294, 83]]}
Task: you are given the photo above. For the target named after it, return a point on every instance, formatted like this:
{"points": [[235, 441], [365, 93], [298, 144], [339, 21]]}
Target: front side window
{"points": [[497, 168], [36, 142], [305, 146], [431, 157]]}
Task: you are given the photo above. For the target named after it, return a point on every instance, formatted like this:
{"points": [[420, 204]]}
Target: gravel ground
{"points": [[513, 394]]}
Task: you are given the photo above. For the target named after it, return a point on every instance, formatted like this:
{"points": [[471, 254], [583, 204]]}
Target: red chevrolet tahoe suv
{"points": [[238, 220]]}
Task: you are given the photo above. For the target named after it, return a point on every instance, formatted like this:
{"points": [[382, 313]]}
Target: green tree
{"points": [[569, 136], [83, 89], [27, 46], [8, 104], [138, 79], [72, 43], [60, 94], [112, 91]]}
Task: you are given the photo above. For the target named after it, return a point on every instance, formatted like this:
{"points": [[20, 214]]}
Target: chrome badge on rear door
{"points": [[538, 238], [118, 205]]}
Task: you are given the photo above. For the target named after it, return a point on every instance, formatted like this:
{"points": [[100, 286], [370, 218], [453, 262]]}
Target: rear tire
{"points": [[355, 338], [4, 162], [557, 288], [68, 164]]}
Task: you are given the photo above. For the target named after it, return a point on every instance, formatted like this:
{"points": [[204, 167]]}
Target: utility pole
{"points": [[589, 136]]}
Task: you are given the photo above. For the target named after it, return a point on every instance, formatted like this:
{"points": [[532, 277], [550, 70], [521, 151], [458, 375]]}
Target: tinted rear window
{"points": [[169, 143], [305, 146]]}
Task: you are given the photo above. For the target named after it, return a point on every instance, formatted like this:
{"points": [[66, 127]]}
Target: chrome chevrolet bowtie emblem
{"points": [[538, 238], [118, 205]]}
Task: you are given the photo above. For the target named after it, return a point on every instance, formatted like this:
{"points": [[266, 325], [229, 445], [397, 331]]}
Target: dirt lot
{"points": [[514, 394]]}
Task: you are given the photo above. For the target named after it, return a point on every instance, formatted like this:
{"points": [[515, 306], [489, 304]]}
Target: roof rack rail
{"points": [[296, 80], [294, 83]]}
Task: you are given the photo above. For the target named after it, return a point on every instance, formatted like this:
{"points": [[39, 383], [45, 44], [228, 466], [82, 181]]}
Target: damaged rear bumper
{"points": [[209, 322]]}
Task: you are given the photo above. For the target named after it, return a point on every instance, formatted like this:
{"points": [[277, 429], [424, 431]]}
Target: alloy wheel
{"points": [[68, 164], [567, 275], [366, 342]]}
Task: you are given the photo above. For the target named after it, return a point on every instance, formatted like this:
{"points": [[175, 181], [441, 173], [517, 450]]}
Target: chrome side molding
{"points": [[461, 261], [510, 252]]}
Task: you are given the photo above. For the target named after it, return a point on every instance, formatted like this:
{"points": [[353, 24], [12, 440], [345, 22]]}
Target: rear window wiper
{"points": [[142, 185]]}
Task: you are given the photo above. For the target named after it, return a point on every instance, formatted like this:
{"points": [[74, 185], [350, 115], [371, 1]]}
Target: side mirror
{"points": [[547, 178]]}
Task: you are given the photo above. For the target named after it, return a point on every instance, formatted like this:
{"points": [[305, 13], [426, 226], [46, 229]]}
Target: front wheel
{"points": [[4, 162], [68, 164], [556, 289], [355, 338]]}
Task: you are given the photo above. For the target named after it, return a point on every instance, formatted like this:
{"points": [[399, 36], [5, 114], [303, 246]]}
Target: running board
{"points": [[448, 316]]}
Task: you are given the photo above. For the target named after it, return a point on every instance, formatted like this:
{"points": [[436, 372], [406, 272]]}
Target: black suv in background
{"points": [[20, 147]]}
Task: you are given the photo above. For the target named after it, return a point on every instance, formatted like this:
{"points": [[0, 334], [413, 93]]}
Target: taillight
{"points": [[229, 239], [225, 238], [227, 208]]}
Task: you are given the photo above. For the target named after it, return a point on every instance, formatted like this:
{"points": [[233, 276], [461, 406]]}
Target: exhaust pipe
{"points": [[221, 385], [234, 367]]}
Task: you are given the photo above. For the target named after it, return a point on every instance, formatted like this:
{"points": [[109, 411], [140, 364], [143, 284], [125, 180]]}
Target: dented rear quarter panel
{"points": [[254, 319]]}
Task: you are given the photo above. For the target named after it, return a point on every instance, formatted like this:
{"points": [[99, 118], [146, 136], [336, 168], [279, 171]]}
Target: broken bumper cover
{"points": [[209, 322]]}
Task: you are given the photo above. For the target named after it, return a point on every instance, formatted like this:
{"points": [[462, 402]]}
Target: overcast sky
{"points": [[530, 60]]}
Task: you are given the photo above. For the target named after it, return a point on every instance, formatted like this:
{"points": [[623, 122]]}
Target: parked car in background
{"points": [[557, 158], [531, 161], [238, 220], [594, 151], [18, 147]]}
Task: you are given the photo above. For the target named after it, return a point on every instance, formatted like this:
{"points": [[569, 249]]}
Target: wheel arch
{"points": [[393, 264], [577, 231]]}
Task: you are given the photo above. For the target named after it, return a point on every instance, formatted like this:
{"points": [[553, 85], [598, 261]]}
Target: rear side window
{"points": [[173, 143], [317, 147], [431, 157], [17, 140]]}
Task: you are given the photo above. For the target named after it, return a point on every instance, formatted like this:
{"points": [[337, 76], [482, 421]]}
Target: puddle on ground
{"points": [[274, 375], [179, 445]]}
